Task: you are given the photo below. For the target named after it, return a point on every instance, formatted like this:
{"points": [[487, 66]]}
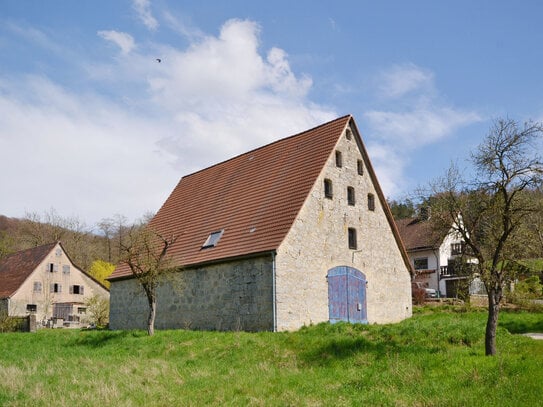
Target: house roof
{"points": [[16, 268], [253, 198], [417, 234]]}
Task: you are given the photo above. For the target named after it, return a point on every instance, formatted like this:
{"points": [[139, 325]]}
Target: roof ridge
{"points": [[267, 145]]}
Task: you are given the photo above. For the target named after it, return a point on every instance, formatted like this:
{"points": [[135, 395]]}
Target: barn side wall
{"points": [[235, 295]]}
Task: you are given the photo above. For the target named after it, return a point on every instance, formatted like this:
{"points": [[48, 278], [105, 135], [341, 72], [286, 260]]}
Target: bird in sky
{"points": [[159, 60]]}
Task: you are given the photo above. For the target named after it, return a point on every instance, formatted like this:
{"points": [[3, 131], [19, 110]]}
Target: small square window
{"points": [[421, 263], [352, 238], [328, 191], [213, 239], [350, 196], [81, 310], [31, 308], [339, 159], [371, 202], [360, 167], [66, 269]]}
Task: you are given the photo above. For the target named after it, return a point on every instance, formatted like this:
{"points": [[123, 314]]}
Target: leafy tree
{"points": [[145, 252], [98, 309], [491, 211], [101, 270], [402, 209]]}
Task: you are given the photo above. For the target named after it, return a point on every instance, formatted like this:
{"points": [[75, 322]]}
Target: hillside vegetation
{"points": [[435, 358]]}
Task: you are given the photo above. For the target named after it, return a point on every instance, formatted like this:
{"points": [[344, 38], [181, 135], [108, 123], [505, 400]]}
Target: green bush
{"points": [[7, 323]]}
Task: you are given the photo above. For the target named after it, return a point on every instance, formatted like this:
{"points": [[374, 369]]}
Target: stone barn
{"points": [[290, 234]]}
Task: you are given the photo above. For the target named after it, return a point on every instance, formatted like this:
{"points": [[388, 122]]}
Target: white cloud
{"points": [[123, 40], [415, 119], [124, 149], [143, 9], [400, 80]]}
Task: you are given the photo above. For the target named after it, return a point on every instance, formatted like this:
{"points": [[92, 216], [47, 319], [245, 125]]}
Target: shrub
{"points": [[7, 323]]}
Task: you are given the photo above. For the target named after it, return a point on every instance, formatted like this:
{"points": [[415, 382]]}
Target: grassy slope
{"points": [[434, 358]]}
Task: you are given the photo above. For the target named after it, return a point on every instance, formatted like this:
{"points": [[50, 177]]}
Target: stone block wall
{"points": [[235, 295]]}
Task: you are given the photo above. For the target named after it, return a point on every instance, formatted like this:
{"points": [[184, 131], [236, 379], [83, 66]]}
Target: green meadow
{"points": [[435, 358]]}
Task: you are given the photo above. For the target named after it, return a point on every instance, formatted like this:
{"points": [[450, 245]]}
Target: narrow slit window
{"points": [[328, 191], [371, 202], [360, 167], [348, 134], [351, 200], [352, 238], [213, 239], [339, 159]]}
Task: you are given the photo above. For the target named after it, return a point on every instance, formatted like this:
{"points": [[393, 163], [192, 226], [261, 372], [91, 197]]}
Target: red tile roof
{"points": [[254, 197], [417, 234], [16, 268]]}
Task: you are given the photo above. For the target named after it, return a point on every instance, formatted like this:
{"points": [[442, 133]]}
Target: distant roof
{"points": [[16, 268], [417, 234], [253, 199]]}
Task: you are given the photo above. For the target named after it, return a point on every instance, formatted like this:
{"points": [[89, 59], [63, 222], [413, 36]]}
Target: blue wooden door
{"points": [[347, 295]]}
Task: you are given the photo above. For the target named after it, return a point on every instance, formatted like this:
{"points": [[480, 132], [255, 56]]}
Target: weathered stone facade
{"points": [[235, 295], [318, 241]]}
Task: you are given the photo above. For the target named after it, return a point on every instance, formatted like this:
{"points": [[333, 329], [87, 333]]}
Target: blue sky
{"points": [[92, 125]]}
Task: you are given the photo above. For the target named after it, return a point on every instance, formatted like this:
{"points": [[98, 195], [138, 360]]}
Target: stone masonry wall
{"points": [[236, 295], [318, 242]]}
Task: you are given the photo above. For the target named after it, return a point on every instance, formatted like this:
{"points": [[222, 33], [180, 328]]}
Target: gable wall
{"points": [[45, 299], [318, 242]]}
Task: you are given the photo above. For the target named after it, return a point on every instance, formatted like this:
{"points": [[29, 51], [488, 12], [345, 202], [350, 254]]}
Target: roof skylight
{"points": [[213, 239]]}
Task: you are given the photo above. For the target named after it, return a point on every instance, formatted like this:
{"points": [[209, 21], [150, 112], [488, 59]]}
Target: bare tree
{"points": [[145, 252], [491, 210]]}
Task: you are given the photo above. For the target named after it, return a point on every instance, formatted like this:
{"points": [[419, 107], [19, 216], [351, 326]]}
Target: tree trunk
{"points": [[151, 298], [151, 320], [494, 298]]}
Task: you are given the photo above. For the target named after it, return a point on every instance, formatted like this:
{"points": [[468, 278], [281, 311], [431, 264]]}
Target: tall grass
{"points": [[435, 358]]}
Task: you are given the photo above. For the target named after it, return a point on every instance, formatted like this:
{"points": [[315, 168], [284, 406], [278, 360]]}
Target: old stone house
{"points": [[45, 282], [293, 233]]}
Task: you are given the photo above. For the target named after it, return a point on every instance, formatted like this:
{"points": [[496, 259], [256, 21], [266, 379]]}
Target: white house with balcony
{"points": [[434, 257]]}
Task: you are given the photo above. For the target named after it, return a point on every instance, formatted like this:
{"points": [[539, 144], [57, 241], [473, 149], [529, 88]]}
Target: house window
{"points": [[66, 269], [56, 288], [350, 196], [457, 248], [51, 267], [328, 191], [339, 159], [76, 289], [360, 167], [348, 134], [371, 202], [421, 263], [352, 238], [213, 239], [81, 310], [37, 286], [31, 308]]}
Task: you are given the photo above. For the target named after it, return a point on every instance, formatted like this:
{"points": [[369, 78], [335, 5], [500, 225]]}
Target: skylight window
{"points": [[213, 239]]}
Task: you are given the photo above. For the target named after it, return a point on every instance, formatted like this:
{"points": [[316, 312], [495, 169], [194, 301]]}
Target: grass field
{"points": [[435, 358]]}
